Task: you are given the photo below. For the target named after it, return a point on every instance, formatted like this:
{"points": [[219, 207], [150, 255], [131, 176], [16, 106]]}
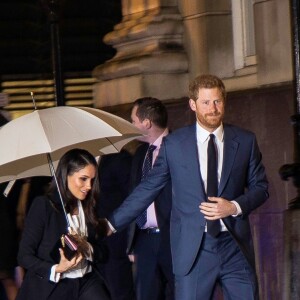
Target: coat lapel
{"points": [[229, 153], [190, 153]]}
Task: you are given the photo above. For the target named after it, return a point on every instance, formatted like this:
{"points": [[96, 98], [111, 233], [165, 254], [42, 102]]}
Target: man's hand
{"points": [[131, 258], [221, 208], [109, 232]]}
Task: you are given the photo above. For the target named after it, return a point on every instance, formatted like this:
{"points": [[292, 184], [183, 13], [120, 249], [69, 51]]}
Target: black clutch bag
{"points": [[69, 246]]}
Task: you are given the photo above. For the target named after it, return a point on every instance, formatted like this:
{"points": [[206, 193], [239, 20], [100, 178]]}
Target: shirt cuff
{"points": [[111, 227], [238, 208], [55, 277]]}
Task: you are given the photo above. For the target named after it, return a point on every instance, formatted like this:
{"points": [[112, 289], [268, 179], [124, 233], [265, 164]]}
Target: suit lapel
{"points": [[229, 153], [190, 153], [140, 161]]}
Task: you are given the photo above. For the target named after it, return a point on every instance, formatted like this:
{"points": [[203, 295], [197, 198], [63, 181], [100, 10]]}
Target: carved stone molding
{"points": [[150, 58]]}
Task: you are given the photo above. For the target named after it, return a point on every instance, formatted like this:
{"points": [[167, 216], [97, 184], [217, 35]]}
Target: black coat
{"points": [[38, 250]]}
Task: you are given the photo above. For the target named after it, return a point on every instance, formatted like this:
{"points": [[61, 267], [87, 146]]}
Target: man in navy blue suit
{"points": [[203, 257]]}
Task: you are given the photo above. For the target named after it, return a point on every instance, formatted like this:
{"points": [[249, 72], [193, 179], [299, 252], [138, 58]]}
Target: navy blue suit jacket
{"points": [[162, 202], [243, 179]]}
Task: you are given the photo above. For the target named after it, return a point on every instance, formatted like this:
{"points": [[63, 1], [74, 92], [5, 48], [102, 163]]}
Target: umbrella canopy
{"points": [[26, 141]]}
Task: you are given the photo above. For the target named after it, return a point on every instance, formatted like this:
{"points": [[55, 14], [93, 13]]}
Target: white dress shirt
{"points": [[77, 223], [151, 215], [202, 143]]}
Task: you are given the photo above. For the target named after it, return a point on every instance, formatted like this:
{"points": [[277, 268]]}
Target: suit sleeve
{"points": [[257, 185], [144, 194], [32, 235]]}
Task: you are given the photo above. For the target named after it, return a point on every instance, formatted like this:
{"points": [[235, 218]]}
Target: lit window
{"points": [[243, 33]]}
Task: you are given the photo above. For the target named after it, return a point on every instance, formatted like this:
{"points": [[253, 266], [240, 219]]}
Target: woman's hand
{"points": [[65, 264]]}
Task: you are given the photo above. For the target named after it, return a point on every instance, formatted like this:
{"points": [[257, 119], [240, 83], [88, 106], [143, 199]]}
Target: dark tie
{"points": [[213, 227], [147, 166]]}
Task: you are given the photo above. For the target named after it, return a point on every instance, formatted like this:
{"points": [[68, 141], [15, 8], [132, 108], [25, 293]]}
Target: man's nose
{"points": [[212, 106]]}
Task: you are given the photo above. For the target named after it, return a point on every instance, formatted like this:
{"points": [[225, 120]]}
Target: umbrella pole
{"points": [[52, 170]]}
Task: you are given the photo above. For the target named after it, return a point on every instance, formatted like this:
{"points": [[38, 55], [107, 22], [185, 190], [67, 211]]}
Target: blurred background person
{"points": [[114, 172], [149, 236], [9, 241], [8, 226]]}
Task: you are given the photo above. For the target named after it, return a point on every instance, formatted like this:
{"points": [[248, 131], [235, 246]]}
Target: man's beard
{"points": [[210, 122]]}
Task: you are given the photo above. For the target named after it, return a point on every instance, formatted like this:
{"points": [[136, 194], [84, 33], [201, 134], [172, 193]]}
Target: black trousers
{"points": [[154, 279], [89, 287]]}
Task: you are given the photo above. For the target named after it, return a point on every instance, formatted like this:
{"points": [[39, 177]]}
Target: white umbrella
{"points": [[28, 141]]}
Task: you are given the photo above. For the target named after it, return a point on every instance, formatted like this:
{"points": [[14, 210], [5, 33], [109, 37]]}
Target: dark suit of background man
{"points": [[114, 173], [150, 244], [199, 259]]}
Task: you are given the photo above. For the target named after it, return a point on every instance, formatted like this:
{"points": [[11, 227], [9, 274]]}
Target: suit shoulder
{"points": [[141, 149], [180, 133], [39, 208], [238, 131], [139, 155], [41, 203]]}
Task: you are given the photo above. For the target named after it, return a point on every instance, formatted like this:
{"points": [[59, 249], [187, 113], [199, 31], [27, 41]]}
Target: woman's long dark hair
{"points": [[73, 161]]}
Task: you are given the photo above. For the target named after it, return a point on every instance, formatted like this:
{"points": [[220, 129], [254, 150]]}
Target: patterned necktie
{"points": [[147, 166], [213, 226]]}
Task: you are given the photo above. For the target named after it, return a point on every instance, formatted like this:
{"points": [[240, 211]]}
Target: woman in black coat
{"points": [[49, 274]]}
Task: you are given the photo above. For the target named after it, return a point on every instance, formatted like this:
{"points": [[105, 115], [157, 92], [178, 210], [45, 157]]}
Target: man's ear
{"points": [[147, 123], [193, 105]]}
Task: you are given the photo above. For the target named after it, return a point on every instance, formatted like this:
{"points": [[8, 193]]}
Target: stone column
{"points": [[150, 58], [273, 40], [208, 36]]}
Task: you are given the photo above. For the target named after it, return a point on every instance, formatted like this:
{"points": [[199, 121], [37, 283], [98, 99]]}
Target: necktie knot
{"points": [[151, 148]]}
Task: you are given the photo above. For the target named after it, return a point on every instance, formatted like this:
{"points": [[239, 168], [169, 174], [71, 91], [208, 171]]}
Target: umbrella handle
{"points": [[52, 170]]}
